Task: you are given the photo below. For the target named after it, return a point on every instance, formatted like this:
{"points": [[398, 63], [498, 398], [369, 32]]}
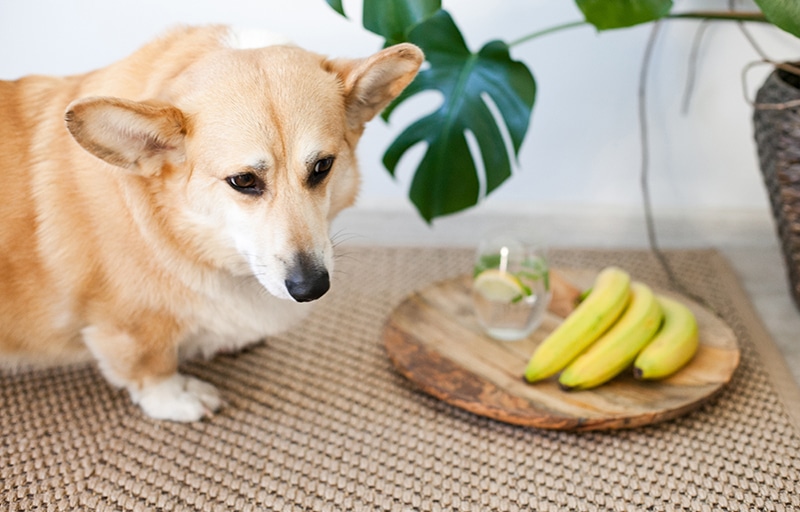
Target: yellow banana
{"points": [[606, 302], [673, 346], [618, 347]]}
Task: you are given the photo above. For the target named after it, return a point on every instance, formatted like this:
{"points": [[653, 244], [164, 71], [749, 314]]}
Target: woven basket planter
{"points": [[777, 134]]}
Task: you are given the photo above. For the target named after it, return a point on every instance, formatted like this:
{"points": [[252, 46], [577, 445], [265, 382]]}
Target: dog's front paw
{"points": [[178, 398]]}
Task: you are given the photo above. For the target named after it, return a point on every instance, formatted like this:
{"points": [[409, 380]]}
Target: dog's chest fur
{"points": [[234, 313]]}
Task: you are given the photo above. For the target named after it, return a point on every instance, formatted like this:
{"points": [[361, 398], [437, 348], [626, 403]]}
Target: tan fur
{"points": [[120, 233]]}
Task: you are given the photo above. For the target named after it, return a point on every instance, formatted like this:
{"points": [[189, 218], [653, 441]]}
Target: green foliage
{"points": [[337, 6], [610, 14], [446, 178], [393, 19], [783, 13]]}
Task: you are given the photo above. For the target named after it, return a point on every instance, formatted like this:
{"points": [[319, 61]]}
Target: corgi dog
{"points": [[177, 203]]}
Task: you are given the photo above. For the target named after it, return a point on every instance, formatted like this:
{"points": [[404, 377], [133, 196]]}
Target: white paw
{"points": [[178, 398]]}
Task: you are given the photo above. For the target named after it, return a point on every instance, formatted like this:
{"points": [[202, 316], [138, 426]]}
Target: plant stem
{"points": [[644, 173], [696, 15], [549, 30], [693, 58], [720, 15]]}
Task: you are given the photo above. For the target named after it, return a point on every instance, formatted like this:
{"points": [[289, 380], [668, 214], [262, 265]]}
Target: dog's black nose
{"points": [[307, 279]]}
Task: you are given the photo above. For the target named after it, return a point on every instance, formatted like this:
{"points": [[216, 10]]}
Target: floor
{"points": [[747, 239]]}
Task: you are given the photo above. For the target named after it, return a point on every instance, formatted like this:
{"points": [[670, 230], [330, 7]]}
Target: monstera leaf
{"points": [[393, 19], [610, 14], [337, 6], [446, 179], [783, 13]]}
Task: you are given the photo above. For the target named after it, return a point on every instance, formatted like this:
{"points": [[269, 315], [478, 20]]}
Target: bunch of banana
{"points": [[620, 322], [595, 314], [618, 347]]}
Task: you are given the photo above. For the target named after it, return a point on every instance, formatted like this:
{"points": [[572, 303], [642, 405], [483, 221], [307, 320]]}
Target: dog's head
{"points": [[249, 154]]}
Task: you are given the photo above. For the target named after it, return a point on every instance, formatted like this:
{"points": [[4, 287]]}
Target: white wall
{"points": [[583, 146]]}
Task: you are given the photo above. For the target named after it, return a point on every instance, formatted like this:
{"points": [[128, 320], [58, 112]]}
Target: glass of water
{"points": [[510, 287]]}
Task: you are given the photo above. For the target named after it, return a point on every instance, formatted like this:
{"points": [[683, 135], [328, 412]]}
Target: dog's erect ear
{"points": [[141, 136], [371, 83]]}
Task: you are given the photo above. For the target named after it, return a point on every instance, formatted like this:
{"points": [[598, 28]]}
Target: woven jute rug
{"points": [[318, 419]]}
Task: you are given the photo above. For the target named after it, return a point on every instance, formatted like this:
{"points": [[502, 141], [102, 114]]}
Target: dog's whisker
{"points": [[342, 238], [349, 256]]}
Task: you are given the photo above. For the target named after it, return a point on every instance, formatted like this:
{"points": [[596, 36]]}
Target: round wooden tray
{"points": [[434, 339]]}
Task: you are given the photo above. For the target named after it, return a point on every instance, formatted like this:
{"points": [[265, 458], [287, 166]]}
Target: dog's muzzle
{"points": [[307, 279]]}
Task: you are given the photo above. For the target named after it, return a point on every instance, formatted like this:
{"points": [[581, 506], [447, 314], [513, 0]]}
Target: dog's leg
{"points": [[143, 361]]}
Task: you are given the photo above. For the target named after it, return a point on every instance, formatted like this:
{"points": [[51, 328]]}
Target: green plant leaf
{"points": [[393, 19], [783, 13], [609, 14], [337, 6], [446, 179]]}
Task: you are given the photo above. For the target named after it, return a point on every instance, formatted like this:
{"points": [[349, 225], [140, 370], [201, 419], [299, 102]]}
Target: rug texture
{"points": [[318, 419]]}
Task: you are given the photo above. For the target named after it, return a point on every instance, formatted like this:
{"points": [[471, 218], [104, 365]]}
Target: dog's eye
{"points": [[321, 169], [323, 165], [246, 183]]}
